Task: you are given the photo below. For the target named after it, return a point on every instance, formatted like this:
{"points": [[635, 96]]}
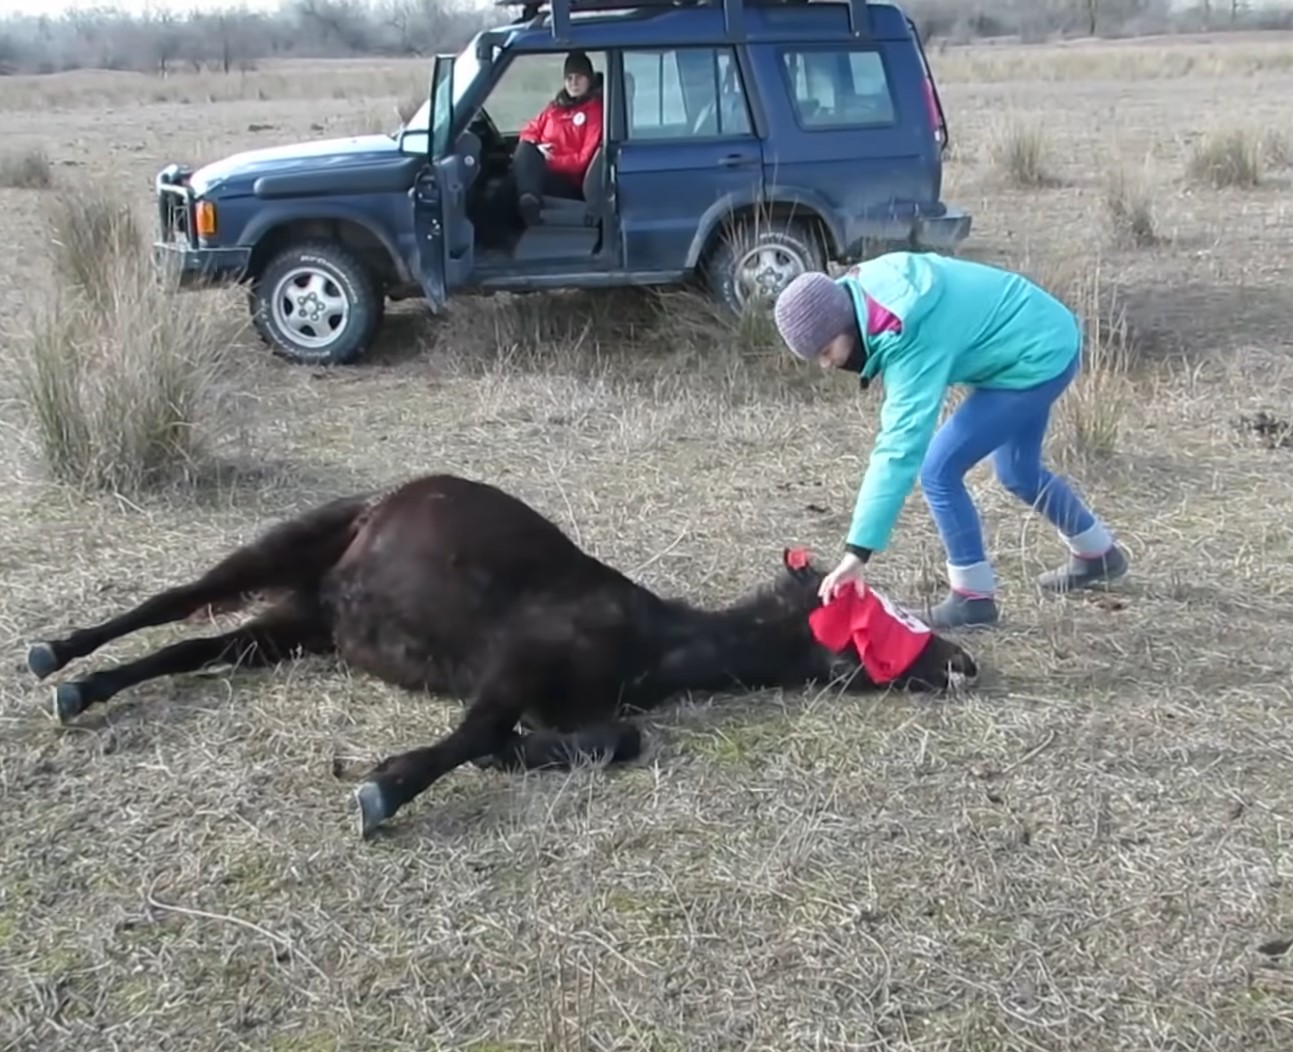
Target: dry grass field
{"points": [[1089, 851]]}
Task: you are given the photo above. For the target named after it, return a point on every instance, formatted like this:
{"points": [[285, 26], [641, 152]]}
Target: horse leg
{"points": [[534, 674], [290, 626], [615, 741], [389, 785], [486, 734], [292, 554], [525, 672]]}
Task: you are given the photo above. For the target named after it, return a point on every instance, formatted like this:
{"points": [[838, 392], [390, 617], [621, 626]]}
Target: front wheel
{"points": [[316, 304], [753, 262]]}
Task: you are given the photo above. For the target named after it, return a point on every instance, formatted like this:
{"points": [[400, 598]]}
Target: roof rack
{"points": [[733, 11]]}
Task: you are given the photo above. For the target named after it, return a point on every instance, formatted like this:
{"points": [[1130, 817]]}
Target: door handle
{"points": [[735, 160]]}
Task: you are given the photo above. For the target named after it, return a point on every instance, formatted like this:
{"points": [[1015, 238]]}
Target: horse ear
{"points": [[798, 561]]}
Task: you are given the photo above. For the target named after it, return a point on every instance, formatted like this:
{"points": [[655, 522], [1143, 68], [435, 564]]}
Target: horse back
{"points": [[442, 570]]}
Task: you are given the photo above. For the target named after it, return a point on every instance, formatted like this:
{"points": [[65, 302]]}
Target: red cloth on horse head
{"points": [[887, 640]]}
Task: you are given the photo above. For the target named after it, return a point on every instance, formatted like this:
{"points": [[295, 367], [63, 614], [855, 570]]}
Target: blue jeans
{"points": [[1010, 425]]}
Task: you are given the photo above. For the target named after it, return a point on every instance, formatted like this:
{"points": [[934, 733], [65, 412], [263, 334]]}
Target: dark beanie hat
{"points": [[578, 62]]}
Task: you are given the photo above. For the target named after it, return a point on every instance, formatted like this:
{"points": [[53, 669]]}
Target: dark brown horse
{"points": [[455, 587]]}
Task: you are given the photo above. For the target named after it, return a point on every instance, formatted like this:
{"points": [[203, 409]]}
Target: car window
{"points": [[527, 85], [683, 93], [838, 88]]}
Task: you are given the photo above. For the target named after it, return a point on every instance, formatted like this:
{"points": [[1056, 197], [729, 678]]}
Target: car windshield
{"points": [[465, 68]]}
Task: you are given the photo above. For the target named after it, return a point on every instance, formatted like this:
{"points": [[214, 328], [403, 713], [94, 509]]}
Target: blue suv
{"points": [[742, 142]]}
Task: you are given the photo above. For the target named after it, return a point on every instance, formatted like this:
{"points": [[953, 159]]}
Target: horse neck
{"points": [[749, 644]]}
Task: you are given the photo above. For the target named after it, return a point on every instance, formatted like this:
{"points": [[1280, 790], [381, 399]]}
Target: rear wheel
{"points": [[315, 303], [753, 261]]}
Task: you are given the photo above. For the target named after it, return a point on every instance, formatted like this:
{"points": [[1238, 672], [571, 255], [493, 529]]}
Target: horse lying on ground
{"points": [[455, 587]]}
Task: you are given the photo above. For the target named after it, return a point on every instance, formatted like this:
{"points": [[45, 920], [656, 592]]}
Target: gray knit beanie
{"points": [[811, 311]]}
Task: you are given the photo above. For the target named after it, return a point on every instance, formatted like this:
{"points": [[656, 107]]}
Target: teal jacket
{"points": [[962, 323]]}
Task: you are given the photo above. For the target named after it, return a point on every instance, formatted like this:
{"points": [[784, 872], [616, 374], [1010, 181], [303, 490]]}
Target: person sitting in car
{"points": [[557, 145]]}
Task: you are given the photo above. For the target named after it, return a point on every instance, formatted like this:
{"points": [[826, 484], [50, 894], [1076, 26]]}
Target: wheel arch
{"points": [[732, 212], [378, 254]]}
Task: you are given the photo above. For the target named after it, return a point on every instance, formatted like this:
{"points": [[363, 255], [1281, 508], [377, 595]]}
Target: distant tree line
{"points": [[236, 38], [1032, 20]]}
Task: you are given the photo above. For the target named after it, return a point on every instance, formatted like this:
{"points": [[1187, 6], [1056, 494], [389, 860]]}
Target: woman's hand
{"points": [[848, 572]]}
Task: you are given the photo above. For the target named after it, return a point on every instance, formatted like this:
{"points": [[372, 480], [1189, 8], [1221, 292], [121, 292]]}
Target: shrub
{"points": [[26, 171], [1020, 152], [1227, 159], [1129, 208], [125, 385], [1094, 410]]}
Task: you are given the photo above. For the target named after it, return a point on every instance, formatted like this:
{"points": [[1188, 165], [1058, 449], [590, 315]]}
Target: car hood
{"points": [[242, 169]]}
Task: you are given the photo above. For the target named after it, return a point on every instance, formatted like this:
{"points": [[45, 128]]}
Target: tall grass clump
{"points": [[1129, 208], [1094, 410], [1275, 149], [1019, 150], [127, 386], [1225, 159], [29, 170]]}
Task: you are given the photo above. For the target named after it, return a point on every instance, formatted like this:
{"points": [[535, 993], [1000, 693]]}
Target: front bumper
{"points": [[178, 251], [195, 267]]}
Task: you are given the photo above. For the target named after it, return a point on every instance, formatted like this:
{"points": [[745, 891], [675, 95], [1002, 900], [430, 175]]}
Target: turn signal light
{"points": [[206, 219]]}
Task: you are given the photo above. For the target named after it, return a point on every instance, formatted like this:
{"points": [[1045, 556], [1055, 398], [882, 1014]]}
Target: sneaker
{"points": [[1081, 572], [961, 611]]}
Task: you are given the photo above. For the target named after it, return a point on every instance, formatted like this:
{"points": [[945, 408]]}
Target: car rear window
{"points": [[839, 88]]}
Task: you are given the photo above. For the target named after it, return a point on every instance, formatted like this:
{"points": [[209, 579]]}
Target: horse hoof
{"points": [[42, 661], [68, 702], [371, 807]]}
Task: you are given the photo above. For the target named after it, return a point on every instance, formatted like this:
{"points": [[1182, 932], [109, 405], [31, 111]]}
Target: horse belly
{"points": [[582, 702], [410, 648], [403, 664]]}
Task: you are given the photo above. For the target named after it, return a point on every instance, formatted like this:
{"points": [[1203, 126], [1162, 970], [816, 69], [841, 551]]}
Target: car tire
{"points": [[337, 310], [762, 258]]}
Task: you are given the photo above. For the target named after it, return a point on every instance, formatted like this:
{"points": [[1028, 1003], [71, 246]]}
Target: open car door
{"points": [[444, 256]]}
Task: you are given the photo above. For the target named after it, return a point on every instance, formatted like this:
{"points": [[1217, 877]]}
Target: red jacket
{"points": [[575, 132]]}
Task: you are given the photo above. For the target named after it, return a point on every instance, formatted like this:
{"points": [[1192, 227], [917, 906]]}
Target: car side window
{"points": [[528, 84], [684, 93], [839, 88]]}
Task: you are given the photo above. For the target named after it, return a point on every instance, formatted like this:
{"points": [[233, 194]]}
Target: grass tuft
{"points": [[1227, 159], [1129, 208], [1019, 150], [29, 170], [126, 386]]}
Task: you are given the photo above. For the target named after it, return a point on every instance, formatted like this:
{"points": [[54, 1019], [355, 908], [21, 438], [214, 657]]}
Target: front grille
{"points": [[176, 223], [175, 206]]}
